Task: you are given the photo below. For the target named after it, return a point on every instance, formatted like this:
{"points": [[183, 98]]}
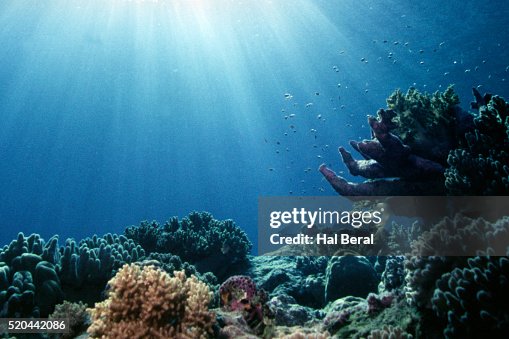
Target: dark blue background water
{"points": [[112, 112]]}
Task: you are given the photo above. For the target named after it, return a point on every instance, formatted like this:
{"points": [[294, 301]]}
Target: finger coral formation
{"points": [[411, 140]]}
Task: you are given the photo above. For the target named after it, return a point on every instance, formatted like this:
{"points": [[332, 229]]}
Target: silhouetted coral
{"points": [[148, 303], [199, 239], [30, 285], [92, 262], [481, 167], [422, 274], [474, 299]]}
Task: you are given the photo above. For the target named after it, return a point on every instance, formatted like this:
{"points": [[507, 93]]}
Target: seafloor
{"points": [[195, 277]]}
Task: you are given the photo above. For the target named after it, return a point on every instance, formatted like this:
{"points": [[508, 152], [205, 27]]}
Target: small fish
{"points": [[288, 96], [319, 116]]}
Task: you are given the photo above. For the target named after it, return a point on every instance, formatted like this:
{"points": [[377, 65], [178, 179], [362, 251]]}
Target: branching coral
{"points": [[464, 236], [474, 299], [426, 123], [199, 239], [481, 167], [149, 303]]}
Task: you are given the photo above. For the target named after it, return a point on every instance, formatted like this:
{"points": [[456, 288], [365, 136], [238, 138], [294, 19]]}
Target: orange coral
{"points": [[149, 303]]}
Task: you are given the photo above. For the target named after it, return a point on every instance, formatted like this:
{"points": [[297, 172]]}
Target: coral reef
{"points": [[474, 299], [288, 312], [377, 303], [77, 314], [148, 303], [239, 293], [209, 244], [235, 291], [352, 317], [481, 166], [349, 276], [462, 236], [393, 277], [302, 278], [422, 274], [389, 332], [92, 262], [407, 154], [30, 284], [386, 156], [428, 123]]}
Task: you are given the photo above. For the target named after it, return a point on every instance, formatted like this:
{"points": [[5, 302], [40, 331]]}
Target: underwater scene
{"points": [[142, 140]]}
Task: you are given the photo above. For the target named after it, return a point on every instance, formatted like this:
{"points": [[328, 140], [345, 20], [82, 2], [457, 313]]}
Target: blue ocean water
{"points": [[113, 112]]}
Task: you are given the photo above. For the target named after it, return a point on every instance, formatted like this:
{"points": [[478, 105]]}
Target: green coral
{"points": [[482, 166], [426, 122]]}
